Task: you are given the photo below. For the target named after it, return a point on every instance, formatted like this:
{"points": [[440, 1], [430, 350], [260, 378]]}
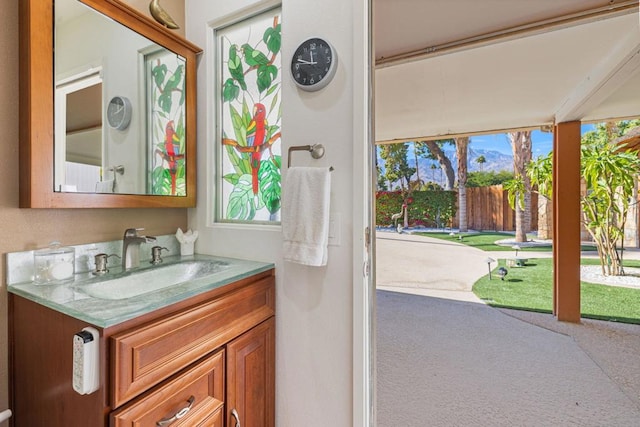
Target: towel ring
{"points": [[316, 150]]}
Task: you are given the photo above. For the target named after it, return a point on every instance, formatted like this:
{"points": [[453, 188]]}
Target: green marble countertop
{"points": [[69, 298]]}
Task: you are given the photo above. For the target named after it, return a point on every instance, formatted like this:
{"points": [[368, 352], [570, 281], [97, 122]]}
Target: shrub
{"points": [[425, 208]]}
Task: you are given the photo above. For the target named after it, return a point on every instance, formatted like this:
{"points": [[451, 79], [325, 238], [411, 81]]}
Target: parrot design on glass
{"points": [[256, 144], [169, 154], [255, 138]]}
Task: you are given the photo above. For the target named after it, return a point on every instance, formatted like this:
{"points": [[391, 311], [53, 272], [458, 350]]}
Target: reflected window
{"points": [[165, 80]]}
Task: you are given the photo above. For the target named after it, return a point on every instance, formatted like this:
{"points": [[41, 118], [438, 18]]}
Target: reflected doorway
{"points": [[78, 152]]}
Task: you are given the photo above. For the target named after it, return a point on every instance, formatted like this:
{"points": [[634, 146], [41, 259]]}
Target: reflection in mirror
{"points": [[119, 108], [79, 141]]}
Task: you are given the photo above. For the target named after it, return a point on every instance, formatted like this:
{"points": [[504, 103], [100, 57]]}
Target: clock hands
{"points": [[303, 61]]}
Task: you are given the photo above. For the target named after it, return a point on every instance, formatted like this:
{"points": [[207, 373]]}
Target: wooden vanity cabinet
{"points": [[201, 362]]}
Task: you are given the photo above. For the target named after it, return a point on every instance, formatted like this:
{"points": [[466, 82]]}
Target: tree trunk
{"points": [[521, 148], [527, 211], [406, 217], [545, 218], [418, 180], [445, 164], [462, 145]]}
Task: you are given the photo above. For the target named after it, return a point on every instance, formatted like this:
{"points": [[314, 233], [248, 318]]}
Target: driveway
{"points": [[446, 269], [426, 266]]}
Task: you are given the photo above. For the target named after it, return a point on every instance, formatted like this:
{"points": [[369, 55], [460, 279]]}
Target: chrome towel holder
{"points": [[316, 150]]}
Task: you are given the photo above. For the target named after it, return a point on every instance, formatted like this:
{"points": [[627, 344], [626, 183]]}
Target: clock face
{"points": [[314, 64], [119, 112]]}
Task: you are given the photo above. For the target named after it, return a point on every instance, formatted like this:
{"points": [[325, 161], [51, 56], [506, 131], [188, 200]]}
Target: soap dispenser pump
{"points": [[101, 261]]}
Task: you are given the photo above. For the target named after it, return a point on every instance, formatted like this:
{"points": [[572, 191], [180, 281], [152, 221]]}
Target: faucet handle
{"points": [[132, 232]]}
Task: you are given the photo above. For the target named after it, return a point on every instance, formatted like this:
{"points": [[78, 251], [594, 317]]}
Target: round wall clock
{"points": [[314, 64], [119, 112]]}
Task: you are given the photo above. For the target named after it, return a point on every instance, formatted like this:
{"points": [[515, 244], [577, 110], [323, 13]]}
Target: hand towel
{"points": [[105, 186], [305, 215]]}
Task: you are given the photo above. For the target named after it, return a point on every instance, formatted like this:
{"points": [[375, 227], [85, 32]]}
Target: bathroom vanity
{"points": [[196, 354]]}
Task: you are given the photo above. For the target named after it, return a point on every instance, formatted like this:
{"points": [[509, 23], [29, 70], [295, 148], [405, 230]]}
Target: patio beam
{"points": [[610, 10], [613, 71], [566, 221]]}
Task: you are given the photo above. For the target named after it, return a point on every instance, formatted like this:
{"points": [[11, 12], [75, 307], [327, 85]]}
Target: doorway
{"points": [[478, 90]]}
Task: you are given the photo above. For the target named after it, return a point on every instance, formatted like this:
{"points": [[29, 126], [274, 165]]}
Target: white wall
{"points": [[314, 378]]}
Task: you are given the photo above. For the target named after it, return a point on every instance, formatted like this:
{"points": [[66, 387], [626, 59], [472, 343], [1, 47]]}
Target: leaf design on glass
{"points": [[241, 201], [270, 184], [272, 38]]}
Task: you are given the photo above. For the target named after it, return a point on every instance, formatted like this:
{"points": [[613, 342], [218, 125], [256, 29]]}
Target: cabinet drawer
{"points": [[214, 420], [144, 356], [201, 388]]}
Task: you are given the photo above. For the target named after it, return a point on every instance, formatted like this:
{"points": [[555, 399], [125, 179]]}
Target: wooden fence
{"points": [[488, 209]]}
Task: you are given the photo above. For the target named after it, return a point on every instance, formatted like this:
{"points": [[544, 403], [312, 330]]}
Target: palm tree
{"points": [[462, 145], [481, 160], [521, 147]]}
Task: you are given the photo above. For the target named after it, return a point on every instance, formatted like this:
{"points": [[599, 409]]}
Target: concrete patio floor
{"points": [[445, 358]]}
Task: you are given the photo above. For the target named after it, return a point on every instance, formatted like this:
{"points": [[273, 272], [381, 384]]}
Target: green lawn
{"points": [[531, 288], [485, 241]]}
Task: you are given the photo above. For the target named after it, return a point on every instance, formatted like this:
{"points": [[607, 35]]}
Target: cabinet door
{"points": [[251, 377]]}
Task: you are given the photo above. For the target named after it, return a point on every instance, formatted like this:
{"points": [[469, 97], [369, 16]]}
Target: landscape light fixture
{"points": [[517, 248], [489, 261], [452, 234]]}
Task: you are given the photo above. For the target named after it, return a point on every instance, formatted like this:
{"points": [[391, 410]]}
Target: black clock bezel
{"points": [[327, 76]]}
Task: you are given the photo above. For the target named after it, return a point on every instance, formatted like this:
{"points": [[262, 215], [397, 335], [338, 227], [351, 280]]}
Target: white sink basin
{"points": [[132, 284]]}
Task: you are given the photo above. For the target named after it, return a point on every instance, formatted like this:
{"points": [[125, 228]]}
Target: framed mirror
{"points": [[107, 108]]}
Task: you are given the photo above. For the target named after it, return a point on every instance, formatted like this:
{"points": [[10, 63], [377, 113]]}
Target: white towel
{"points": [[105, 186], [305, 215]]}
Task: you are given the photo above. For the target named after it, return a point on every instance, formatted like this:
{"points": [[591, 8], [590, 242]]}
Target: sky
{"points": [[542, 142]]}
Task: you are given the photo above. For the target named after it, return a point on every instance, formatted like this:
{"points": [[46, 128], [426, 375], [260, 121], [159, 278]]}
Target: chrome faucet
{"points": [[131, 247]]}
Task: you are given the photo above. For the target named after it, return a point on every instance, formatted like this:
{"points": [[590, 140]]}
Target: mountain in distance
{"points": [[495, 161]]}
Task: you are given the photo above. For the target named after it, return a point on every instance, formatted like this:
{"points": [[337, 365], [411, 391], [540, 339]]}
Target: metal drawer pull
{"points": [[181, 413], [235, 415]]}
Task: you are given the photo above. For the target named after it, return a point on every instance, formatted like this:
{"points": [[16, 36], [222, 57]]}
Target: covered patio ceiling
{"points": [[482, 66]]}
